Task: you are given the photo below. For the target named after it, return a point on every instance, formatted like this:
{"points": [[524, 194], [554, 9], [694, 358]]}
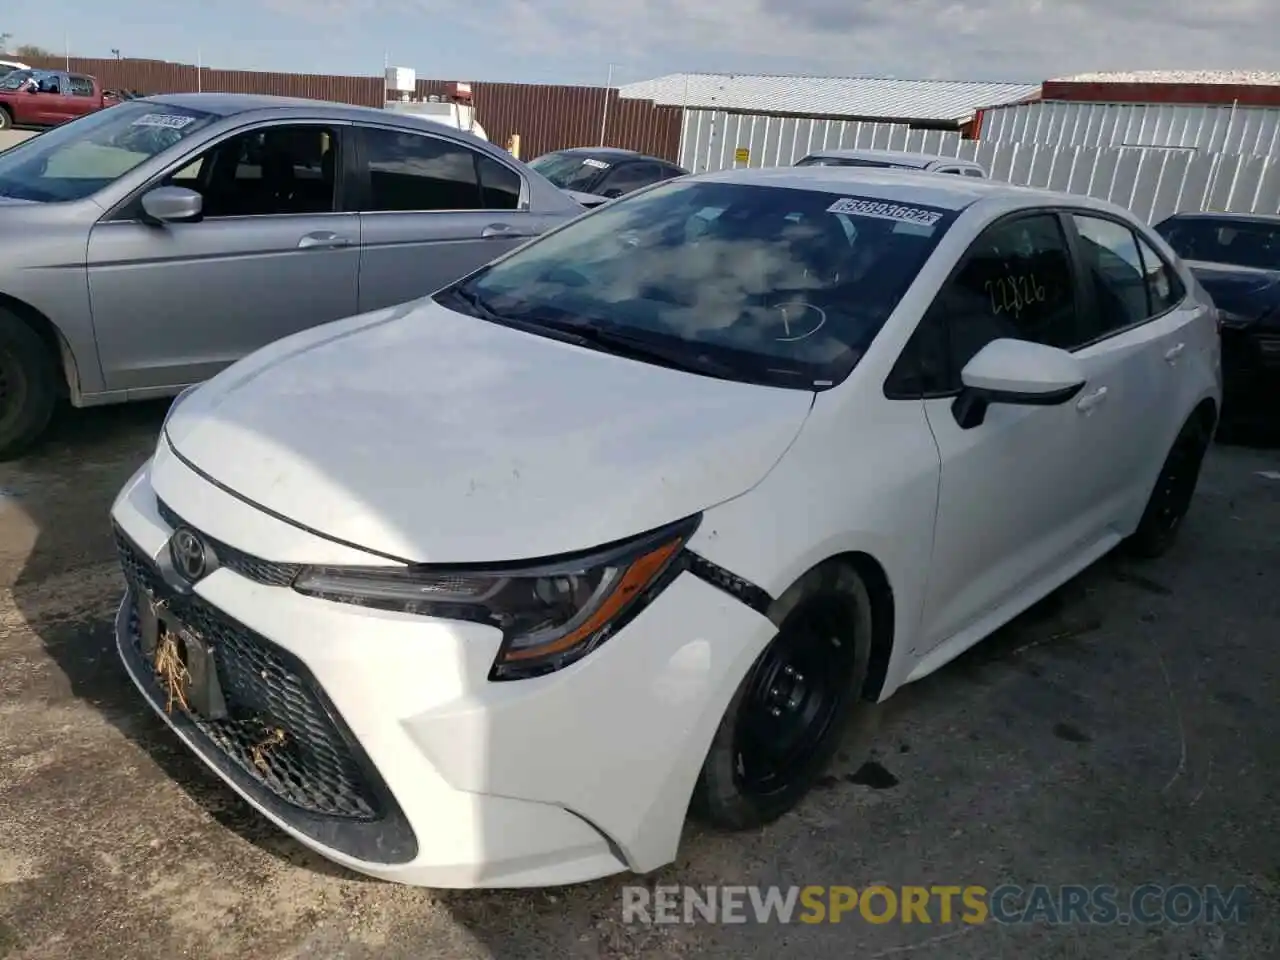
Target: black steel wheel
{"points": [[1172, 495], [796, 692], [28, 386], [795, 705]]}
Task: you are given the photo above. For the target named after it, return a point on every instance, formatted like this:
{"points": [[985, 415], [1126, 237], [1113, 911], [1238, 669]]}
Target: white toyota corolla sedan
{"points": [[494, 587]]}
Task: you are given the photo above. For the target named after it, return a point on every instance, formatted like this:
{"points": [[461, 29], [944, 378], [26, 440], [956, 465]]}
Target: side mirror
{"points": [[612, 193], [172, 205], [1016, 372]]}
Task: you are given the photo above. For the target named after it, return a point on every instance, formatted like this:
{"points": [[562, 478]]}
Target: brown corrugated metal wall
{"points": [[546, 117]]}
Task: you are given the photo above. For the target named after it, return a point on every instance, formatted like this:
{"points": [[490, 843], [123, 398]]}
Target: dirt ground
{"points": [[1126, 731]]}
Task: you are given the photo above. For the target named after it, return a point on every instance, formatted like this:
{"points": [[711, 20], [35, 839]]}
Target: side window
{"points": [[923, 369], [630, 176], [973, 172], [1164, 288], [499, 184], [1113, 268], [954, 170], [266, 172], [417, 172], [81, 87], [1015, 282]]}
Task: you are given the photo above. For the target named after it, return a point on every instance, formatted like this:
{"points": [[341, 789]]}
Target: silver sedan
{"points": [[145, 247]]}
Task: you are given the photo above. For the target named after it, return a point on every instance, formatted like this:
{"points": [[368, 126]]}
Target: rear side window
{"points": [[81, 87], [1163, 286], [974, 172], [1114, 269], [499, 184], [414, 172]]}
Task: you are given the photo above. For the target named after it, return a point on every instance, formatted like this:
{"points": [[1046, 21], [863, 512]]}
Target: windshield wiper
{"points": [[621, 343], [479, 307]]}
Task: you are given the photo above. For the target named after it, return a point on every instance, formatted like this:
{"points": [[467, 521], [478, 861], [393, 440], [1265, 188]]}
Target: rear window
{"points": [[785, 286], [1239, 242]]}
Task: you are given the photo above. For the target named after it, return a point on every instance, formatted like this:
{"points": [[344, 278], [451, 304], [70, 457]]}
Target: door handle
{"points": [[1173, 353], [1091, 400], [499, 230], [323, 239]]}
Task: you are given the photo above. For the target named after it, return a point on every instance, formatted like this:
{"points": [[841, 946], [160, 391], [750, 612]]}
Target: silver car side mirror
{"points": [[172, 205]]}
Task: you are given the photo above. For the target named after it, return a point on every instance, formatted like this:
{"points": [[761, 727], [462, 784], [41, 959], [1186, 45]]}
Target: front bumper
{"points": [[402, 760]]}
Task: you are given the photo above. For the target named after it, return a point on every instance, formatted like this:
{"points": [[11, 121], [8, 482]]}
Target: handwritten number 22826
{"points": [[1014, 294]]}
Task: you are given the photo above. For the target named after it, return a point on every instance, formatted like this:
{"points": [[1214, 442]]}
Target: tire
{"points": [[6, 121], [805, 686], [28, 386], [1171, 497]]}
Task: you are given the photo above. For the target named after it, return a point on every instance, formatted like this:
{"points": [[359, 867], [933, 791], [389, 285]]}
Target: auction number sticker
{"points": [[170, 121], [880, 210], [593, 162]]}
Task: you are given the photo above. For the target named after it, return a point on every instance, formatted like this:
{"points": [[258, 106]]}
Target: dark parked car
{"points": [[596, 175], [1236, 257]]}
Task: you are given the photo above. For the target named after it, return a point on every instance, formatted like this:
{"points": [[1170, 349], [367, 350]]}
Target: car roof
{"points": [[235, 104], [920, 160], [1270, 219], [905, 186], [608, 153]]}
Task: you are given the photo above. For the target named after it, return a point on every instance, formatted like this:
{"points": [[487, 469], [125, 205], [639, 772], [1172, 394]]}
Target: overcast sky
{"points": [[574, 41]]}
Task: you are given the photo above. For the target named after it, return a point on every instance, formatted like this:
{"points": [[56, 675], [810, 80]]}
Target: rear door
{"points": [[432, 209], [1136, 340], [175, 303]]}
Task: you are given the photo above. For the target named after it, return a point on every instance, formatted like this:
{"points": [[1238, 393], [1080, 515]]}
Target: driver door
{"points": [[274, 254], [1017, 492]]}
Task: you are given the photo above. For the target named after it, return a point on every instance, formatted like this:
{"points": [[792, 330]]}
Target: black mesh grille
{"points": [[312, 767], [268, 572]]}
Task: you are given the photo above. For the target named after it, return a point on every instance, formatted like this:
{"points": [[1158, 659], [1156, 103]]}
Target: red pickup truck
{"points": [[46, 98]]}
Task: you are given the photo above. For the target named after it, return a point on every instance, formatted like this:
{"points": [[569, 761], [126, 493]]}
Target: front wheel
{"points": [[28, 386], [791, 711], [1171, 498]]}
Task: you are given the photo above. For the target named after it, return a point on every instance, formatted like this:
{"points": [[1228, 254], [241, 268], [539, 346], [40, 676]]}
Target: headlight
{"points": [[551, 613]]}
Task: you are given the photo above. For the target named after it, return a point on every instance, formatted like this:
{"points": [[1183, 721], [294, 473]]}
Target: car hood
{"points": [[430, 436]]}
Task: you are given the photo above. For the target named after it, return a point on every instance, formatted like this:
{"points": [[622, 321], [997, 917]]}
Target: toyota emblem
{"points": [[187, 551]]}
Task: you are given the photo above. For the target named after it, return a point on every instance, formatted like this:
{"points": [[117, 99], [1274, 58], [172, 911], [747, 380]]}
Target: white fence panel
{"points": [[1153, 182]]}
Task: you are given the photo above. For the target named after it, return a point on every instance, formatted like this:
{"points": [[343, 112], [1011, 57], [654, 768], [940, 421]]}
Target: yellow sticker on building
{"points": [[742, 155]]}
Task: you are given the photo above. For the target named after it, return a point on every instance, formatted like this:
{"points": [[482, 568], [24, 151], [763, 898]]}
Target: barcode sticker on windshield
{"points": [[593, 162], [171, 121], [885, 211]]}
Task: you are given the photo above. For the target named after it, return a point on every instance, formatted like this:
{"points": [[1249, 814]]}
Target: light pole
{"points": [[604, 115]]}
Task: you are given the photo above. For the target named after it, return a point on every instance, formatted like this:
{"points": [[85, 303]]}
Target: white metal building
{"points": [[758, 120]]}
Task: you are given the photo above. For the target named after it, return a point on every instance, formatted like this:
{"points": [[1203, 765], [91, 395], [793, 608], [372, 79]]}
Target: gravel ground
{"points": [[1123, 732]]}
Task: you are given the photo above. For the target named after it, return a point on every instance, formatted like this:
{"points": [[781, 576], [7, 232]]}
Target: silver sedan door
{"points": [[432, 210], [272, 253]]}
